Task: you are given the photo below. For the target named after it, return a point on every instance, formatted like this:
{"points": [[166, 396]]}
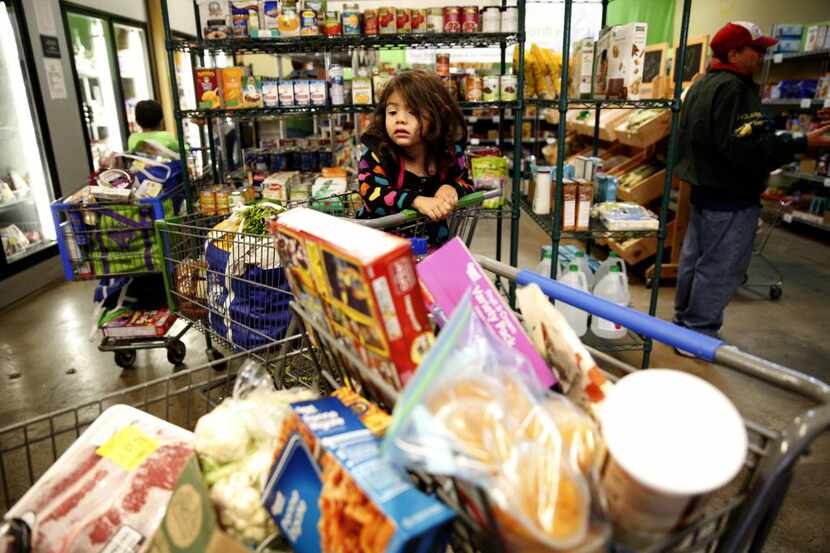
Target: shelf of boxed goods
{"points": [[252, 113], [577, 103], [779, 57], [596, 232], [322, 43]]}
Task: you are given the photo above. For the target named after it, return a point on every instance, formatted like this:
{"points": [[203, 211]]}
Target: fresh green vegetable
{"points": [[255, 217]]}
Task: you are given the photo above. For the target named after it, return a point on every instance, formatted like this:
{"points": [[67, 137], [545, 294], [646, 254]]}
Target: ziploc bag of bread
{"points": [[475, 412], [580, 378]]}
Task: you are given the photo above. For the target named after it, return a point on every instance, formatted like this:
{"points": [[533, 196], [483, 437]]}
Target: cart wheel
{"points": [[125, 358], [176, 350], [775, 292], [215, 355]]}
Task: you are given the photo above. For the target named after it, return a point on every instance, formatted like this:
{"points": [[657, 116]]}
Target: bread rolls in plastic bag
{"points": [[472, 414]]}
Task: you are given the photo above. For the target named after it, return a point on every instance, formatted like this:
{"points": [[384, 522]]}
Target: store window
{"points": [[112, 65]]}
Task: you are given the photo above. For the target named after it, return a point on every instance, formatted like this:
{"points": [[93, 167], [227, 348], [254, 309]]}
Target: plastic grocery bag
{"points": [[471, 412], [235, 443]]}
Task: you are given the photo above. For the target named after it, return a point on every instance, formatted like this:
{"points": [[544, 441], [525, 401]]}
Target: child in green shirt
{"points": [[149, 116]]}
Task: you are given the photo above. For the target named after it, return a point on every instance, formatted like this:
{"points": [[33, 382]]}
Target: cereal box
{"points": [[208, 95], [373, 417], [251, 92], [448, 273], [286, 93], [602, 63], [215, 19], [329, 488], [270, 93], [302, 94], [625, 61], [361, 283], [232, 86]]}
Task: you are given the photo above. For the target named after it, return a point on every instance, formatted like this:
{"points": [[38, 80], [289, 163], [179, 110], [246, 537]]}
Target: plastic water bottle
{"points": [[613, 260], [582, 262], [577, 318], [613, 288]]}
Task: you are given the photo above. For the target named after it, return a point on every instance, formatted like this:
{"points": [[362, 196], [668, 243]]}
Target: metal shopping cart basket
{"points": [[743, 517], [772, 212], [114, 240]]}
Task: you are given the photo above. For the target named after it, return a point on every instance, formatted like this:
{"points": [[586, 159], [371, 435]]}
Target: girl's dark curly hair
{"points": [[442, 123]]}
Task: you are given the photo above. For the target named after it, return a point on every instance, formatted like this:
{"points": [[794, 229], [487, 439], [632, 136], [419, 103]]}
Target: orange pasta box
{"points": [[232, 86], [330, 489], [361, 282]]}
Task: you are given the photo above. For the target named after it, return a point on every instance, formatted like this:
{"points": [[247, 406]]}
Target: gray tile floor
{"points": [[47, 362]]}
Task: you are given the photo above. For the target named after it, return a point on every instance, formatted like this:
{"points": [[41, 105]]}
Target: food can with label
{"points": [[508, 88], [207, 202], [386, 21], [223, 202], [308, 23], [370, 22], [510, 20], [435, 20], [332, 26], [419, 20], [442, 65], [403, 20], [452, 19], [351, 19], [470, 19], [491, 20], [473, 88], [490, 88]]}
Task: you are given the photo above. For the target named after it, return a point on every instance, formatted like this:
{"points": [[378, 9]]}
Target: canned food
{"points": [[470, 19], [403, 20], [510, 20], [351, 19], [453, 86], [370, 22], [386, 21], [332, 26], [223, 202], [207, 202], [491, 20], [435, 20], [249, 194], [308, 23], [442, 65], [452, 19], [490, 88], [508, 88], [472, 88], [419, 21]]}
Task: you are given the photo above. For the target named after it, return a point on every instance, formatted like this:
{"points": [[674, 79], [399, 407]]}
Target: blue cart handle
{"points": [[699, 344]]}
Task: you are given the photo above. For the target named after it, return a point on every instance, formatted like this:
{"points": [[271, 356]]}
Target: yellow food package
{"points": [[232, 86], [372, 416]]}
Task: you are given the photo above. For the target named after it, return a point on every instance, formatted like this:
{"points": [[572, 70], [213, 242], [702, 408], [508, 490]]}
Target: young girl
{"points": [[416, 152]]}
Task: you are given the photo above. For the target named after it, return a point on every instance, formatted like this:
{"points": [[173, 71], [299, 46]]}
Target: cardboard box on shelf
{"points": [[361, 283], [602, 63], [232, 86], [625, 62], [583, 56], [330, 489], [569, 190], [208, 93], [585, 199]]}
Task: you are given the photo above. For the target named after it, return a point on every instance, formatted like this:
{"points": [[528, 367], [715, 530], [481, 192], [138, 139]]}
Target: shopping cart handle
{"points": [[701, 345], [410, 215]]}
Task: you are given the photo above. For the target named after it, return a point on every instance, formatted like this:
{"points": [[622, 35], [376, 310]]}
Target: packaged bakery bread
{"points": [[330, 491], [473, 412]]}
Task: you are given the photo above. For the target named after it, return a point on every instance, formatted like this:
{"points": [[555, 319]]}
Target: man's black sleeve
{"points": [[745, 140]]}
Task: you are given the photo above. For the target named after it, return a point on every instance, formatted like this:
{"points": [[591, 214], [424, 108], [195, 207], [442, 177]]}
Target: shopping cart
{"points": [[104, 239], [743, 517], [772, 211]]}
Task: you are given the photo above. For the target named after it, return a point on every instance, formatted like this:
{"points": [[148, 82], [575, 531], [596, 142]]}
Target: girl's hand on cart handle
{"points": [[435, 208], [819, 139], [448, 194]]}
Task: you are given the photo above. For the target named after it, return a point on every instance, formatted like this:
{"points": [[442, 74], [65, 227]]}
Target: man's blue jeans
{"points": [[716, 254]]}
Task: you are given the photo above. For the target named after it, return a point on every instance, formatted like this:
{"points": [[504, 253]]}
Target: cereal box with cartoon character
{"points": [[362, 283], [330, 490]]}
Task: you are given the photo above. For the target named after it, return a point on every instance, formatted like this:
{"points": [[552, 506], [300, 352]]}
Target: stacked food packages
{"points": [[543, 69], [261, 19]]}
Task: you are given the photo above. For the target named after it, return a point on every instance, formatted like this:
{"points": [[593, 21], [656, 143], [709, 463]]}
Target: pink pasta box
{"points": [[450, 272]]}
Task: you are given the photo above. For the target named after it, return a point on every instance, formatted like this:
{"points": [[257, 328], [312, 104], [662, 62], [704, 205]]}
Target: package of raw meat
{"points": [[129, 483]]}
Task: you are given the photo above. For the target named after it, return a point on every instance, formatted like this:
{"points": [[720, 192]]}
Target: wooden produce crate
{"points": [[634, 161], [646, 191], [608, 121], [647, 135], [638, 249]]}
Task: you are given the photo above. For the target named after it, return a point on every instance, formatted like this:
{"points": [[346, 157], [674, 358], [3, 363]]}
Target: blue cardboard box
{"points": [[330, 491]]}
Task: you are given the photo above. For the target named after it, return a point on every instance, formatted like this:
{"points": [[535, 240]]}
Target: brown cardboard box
{"points": [[585, 199], [569, 189]]}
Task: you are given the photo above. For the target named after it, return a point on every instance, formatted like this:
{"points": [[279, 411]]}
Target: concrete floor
{"points": [[47, 362]]}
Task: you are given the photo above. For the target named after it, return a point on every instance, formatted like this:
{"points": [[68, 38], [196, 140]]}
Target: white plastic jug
{"points": [[582, 262], [577, 318], [613, 288], [543, 268], [613, 260]]}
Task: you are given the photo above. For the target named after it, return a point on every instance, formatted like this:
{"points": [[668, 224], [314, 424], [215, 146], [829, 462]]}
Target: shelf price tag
{"points": [[778, 58], [806, 103]]}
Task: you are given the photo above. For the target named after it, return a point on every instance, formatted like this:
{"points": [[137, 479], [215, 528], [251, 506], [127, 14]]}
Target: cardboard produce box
{"points": [[625, 61], [583, 56], [130, 482], [602, 63]]}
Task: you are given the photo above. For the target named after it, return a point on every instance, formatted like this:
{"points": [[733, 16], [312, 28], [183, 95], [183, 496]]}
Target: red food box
{"points": [[140, 324], [208, 95], [361, 283]]}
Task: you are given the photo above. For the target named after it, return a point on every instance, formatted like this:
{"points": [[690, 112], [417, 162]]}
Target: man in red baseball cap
{"points": [[726, 150]]}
